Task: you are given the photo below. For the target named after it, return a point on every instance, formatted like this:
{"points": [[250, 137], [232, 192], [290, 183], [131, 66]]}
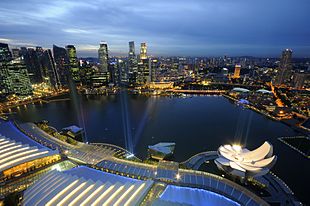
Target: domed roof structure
{"points": [[241, 162], [239, 89]]}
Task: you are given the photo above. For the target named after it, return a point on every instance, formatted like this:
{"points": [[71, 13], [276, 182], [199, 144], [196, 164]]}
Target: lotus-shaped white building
{"points": [[241, 162]]}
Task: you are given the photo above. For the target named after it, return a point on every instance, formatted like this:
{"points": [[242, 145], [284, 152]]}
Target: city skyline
{"points": [[176, 102], [200, 28]]}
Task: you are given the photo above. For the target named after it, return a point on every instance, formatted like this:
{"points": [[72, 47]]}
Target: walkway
{"points": [[197, 160], [103, 156]]}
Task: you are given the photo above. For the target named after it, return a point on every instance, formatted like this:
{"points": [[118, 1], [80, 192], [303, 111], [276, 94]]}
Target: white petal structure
{"points": [[241, 162]]}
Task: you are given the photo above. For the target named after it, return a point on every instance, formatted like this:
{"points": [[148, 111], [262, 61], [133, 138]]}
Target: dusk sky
{"points": [[170, 27]]}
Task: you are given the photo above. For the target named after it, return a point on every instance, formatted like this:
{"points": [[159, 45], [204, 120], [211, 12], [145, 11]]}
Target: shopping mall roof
{"points": [[264, 91], [9, 130], [64, 188], [14, 153], [175, 195]]}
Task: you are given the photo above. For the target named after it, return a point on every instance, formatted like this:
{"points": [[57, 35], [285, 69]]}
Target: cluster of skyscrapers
{"points": [[20, 68], [134, 70], [23, 67], [285, 75]]}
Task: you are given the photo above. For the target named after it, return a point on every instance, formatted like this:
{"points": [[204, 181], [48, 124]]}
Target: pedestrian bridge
{"points": [[197, 160]]}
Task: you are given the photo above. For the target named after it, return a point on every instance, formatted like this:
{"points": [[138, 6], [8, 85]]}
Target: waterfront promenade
{"points": [[104, 157], [83, 153], [112, 159]]}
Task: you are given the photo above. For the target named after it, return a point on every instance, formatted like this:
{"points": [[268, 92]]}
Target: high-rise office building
{"points": [[143, 70], [299, 80], [143, 51], [15, 53], [44, 72], [74, 66], [32, 63], [5, 54], [237, 71], [102, 77], [132, 64], [122, 71], [62, 64], [103, 57], [15, 77], [153, 67], [143, 75], [283, 76], [49, 68], [132, 52], [114, 69], [4, 79]]}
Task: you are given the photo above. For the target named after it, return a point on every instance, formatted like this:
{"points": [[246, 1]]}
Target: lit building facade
{"points": [[15, 53], [62, 64], [153, 67], [74, 67], [14, 76], [237, 71], [285, 68], [18, 159], [5, 54], [299, 80], [143, 51], [103, 73], [143, 75], [33, 65], [49, 69], [132, 64]]}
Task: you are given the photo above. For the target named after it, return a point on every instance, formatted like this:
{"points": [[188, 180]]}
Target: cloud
{"points": [[87, 47], [76, 31], [4, 40], [15, 42], [198, 27]]}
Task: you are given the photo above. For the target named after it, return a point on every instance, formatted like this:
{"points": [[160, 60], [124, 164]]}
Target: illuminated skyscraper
{"points": [[32, 63], [15, 77], [5, 54], [62, 64], [13, 74], [285, 68], [15, 53], [237, 71], [122, 68], [102, 77], [132, 52], [143, 75], [154, 65], [49, 68], [132, 64], [103, 57], [299, 80], [143, 51], [74, 67]]}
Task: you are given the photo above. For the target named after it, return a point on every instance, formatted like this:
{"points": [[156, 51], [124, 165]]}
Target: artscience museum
{"points": [[243, 163]]}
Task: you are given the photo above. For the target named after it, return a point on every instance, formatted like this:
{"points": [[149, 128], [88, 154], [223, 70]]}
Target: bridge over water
{"points": [[197, 160], [197, 91]]}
